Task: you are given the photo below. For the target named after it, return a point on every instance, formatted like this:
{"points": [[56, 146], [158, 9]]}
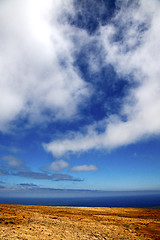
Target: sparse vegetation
{"points": [[37, 222]]}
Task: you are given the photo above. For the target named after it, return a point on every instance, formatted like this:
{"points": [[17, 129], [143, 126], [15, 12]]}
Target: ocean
{"points": [[145, 201]]}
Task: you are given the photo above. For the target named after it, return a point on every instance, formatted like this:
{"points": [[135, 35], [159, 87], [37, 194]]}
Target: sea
{"points": [[145, 201]]}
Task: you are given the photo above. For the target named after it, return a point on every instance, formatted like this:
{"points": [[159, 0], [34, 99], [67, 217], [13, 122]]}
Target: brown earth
{"points": [[35, 222]]}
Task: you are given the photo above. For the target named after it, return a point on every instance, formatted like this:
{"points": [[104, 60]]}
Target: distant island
{"points": [[43, 222]]}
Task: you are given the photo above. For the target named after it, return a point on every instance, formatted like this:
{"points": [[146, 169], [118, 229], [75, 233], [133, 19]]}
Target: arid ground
{"points": [[35, 222]]}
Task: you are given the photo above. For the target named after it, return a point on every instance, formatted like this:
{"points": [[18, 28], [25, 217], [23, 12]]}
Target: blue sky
{"points": [[79, 97]]}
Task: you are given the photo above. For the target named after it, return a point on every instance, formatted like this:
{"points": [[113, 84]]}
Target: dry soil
{"points": [[37, 222]]}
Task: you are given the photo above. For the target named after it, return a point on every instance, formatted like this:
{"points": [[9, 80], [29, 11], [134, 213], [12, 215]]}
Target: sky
{"points": [[79, 97]]}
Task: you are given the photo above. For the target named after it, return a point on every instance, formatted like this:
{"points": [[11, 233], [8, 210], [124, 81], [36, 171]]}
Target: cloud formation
{"points": [[35, 191], [130, 43], [16, 167], [46, 176], [84, 168], [40, 81], [10, 149], [14, 162], [37, 64], [58, 165], [27, 185], [40, 175]]}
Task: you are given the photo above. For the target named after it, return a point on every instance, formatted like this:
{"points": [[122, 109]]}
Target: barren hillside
{"points": [[36, 222]]}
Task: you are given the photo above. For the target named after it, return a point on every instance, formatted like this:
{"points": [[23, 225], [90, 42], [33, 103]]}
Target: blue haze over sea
{"points": [[139, 201]]}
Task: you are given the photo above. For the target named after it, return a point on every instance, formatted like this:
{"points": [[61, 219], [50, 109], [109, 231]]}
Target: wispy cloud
{"points": [[33, 175], [9, 148], [39, 192], [46, 176], [14, 162], [27, 185], [3, 172], [84, 168], [130, 43], [80, 142], [16, 167], [66, 177]]}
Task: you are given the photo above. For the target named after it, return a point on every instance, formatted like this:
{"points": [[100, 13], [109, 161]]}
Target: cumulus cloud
{"points": [[37, 69], [130, 44], [84, 168], [58, 165], [40, 81], [16, 167]]}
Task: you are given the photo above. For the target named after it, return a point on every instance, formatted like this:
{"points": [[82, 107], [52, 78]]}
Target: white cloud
{"points": [[79, 143], [58, 165], [38, 73], [84, 168], [136, 55], [36, 62]]}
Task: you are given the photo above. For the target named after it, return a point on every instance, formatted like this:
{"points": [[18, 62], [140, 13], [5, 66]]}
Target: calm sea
{"points": [[120, 201]]}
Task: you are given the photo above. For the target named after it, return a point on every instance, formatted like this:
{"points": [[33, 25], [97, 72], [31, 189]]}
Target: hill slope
{"points": [[37, 222]]}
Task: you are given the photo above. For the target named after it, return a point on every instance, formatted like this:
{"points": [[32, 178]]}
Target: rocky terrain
{"points": [[36, 222]]}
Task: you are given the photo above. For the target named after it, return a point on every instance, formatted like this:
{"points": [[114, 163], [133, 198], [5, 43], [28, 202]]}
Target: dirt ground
{"points": [[36, 222]]}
